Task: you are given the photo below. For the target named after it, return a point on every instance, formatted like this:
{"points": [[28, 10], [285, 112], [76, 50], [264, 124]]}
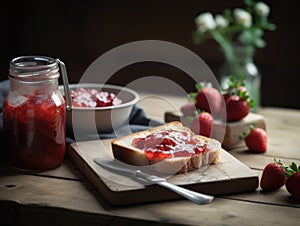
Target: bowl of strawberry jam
{"points": [[99, 107]]}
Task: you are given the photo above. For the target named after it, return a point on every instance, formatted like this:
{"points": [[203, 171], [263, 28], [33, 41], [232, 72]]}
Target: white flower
{"points": [[243, 17], [262, 9], [221, 21], [205, 22]]}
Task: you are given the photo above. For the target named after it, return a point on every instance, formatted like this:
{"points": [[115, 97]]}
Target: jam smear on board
{"points": [[169, 144]]}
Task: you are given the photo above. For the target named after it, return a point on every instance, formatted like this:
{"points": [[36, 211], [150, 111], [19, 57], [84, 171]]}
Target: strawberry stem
{"points": [[290, 170], [246, 133], [234, 86], [199, 86], [192, 97]]}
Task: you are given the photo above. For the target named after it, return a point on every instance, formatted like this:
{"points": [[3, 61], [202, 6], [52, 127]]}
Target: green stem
{"points": [[231, 58]]}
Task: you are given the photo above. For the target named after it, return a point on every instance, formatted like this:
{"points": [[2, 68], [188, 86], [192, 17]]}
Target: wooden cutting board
{"points": [[229, 176]]}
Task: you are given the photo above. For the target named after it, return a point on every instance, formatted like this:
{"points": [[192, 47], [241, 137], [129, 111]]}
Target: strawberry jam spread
{"points": [[169, 144], [93, 98]]}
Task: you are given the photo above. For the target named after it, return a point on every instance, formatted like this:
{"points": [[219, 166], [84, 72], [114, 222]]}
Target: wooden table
{"points": [[63, 196]]}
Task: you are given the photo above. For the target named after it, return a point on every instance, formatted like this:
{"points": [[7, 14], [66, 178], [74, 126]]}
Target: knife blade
{"points": [[193, 196]]}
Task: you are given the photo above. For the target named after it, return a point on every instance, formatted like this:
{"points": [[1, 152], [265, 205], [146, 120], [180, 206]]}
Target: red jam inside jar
{"points": [[169, 144], [34, 114], [83, 97], [35, 132]]}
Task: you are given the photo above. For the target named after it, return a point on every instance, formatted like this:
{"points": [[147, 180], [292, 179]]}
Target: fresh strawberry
{"points": [[256, 140], [189, 109], [228, 93], [237, 100], [272, 177], [209, 99], [203, 124], [293, 185], [236, 108], [293, 182]]}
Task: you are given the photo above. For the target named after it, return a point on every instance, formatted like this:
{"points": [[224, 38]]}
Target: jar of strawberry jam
{"points": [[34, 114]]}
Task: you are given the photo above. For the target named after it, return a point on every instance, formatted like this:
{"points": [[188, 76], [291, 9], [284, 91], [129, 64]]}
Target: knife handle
{"points": [[193, 196]]}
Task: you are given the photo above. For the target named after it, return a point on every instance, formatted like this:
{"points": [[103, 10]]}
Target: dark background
{"points": [[79, 31]]}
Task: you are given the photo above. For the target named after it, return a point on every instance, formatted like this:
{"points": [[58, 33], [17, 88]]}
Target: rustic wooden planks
{"points": [[38, 200]]}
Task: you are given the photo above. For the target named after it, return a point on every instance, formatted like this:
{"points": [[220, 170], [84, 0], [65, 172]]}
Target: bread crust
{"points": [[125, 152]]}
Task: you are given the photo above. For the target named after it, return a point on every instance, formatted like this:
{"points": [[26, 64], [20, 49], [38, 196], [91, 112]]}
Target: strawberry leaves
{"points": [[234, 84], [199, 86], [289, 170], [292, 173], [237, 87]]}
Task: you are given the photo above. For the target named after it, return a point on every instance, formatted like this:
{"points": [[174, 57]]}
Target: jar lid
{"points": [[34, 68]]}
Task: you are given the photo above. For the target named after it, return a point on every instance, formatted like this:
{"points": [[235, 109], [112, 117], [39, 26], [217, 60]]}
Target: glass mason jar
{"points": [[240, 64], [34, 114]]}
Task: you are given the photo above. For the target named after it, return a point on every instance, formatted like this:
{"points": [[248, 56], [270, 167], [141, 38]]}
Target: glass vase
{"points": [[239, 63]]}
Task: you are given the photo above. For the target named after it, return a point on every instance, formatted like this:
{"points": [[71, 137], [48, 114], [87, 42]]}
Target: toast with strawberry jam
{"points": [[170, 148]]}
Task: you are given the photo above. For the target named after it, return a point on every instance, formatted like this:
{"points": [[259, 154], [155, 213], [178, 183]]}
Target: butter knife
{"points": [[193, 196]]}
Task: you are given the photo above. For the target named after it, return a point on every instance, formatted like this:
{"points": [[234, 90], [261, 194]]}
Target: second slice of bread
{"points": [[124, 151]]}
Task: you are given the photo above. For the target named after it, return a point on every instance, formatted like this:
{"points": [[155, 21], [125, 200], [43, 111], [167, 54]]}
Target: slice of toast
{"points": [[126, 152]]}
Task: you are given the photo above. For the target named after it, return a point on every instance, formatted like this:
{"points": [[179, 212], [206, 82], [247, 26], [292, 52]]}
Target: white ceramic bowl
{"points": [[102, 119]]}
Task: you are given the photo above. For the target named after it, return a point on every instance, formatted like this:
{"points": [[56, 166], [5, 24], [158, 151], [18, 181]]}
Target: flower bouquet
{"points": [[238, 32]]}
